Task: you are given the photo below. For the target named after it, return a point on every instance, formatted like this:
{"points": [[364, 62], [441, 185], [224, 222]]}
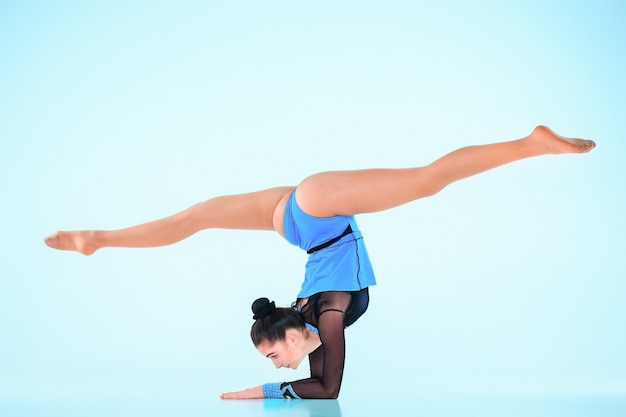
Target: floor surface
{"points": [[465, 405]]}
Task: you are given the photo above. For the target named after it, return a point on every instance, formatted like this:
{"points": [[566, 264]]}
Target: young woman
{"points": [[317, 215]]}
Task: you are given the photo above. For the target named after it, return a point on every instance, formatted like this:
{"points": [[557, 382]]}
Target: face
{"points": [[284, 354]]}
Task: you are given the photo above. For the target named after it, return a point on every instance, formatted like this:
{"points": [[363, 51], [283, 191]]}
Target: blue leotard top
{"points": [[342, 266]]}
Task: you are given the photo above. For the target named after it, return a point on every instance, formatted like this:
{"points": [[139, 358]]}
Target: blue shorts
{"points": [[342, 266]]}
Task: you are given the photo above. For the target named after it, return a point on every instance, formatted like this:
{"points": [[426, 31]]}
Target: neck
{"points": [[311, 342]]}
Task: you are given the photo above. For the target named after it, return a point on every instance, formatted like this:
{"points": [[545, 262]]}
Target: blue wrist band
{"points": [[274, 390]]}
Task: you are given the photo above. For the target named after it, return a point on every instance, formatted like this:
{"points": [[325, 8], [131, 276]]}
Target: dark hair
{"points": [[272, 322]]}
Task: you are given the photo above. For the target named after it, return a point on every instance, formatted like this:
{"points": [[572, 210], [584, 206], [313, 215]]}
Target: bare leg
{"points": [[324, 195], [254, 211], [353, 192]]}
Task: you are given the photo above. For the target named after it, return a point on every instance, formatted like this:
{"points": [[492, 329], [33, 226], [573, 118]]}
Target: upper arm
{"points": [[333, 352], [331, 311], [327, 362]]}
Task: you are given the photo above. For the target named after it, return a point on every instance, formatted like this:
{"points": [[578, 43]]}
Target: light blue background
{"points": [[112, 114]]}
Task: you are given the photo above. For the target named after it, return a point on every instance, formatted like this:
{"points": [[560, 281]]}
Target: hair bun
{"points": [[262, 307]]}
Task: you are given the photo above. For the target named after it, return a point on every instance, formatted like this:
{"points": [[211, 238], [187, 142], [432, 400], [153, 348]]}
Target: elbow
{"points": [[331, 393]]}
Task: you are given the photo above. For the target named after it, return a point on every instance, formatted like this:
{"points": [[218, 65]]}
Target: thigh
{"points": [[252, 211], [348, 193]]}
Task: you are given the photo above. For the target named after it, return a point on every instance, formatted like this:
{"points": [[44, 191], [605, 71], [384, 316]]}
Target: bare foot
{"points": [[80, 241], [554, 144]]}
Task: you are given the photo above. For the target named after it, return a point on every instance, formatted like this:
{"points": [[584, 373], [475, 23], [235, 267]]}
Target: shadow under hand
{"points": [[304, 408], [279, 408]]}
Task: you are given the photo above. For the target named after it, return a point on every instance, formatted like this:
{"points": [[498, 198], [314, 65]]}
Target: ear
{"points": [[293, 336]]}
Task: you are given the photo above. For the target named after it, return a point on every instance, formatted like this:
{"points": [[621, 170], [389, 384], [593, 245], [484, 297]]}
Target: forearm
{"points": [[310, 388]]}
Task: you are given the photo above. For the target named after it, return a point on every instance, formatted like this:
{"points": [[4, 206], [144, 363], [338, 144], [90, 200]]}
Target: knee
{"points": [[195, 217], [432, 188], [429, 182]]}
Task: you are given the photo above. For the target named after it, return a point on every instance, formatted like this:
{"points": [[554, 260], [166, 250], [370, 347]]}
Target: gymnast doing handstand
{"points": [[318, 216]]}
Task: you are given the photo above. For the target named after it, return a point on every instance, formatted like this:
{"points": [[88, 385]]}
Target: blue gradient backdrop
{"points": [[115, 113]]}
